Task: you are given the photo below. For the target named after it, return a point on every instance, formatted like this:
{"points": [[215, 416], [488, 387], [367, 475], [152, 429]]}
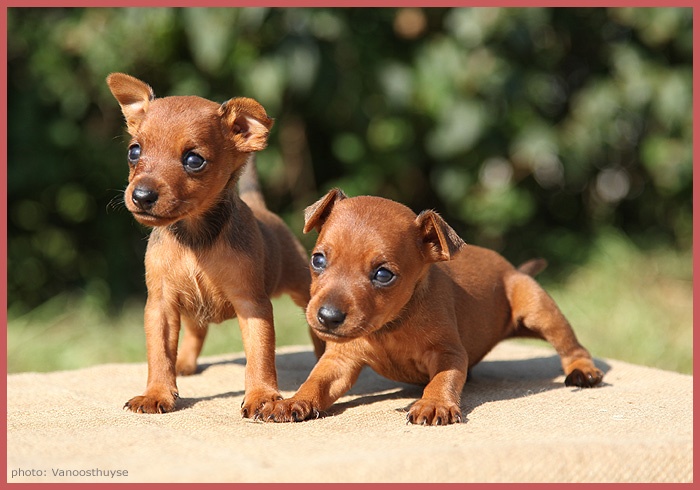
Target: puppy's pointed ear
{"points": [[247, 122], [133, 96], [316, 214], [440, 241]]}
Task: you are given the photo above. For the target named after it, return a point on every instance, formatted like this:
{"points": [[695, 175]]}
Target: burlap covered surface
{"points": [[521, 425]]}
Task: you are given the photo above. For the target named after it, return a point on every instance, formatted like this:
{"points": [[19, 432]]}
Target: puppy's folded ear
{"points": [[133, 96], [440, 241], [316, 214], [247, 122]]}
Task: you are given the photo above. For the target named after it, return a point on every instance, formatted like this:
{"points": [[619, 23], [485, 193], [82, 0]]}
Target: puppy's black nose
{"points": [[330, 316], [144, 197]]}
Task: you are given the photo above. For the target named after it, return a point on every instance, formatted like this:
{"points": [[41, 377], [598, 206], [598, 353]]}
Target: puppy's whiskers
{"points": [[117, 202]]}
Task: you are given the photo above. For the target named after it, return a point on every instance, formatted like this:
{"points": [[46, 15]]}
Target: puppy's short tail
{"points": [[249, 184], [533, 267]]}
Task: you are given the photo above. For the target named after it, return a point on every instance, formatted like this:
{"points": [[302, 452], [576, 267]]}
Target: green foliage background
{"points": [[532, 131]]}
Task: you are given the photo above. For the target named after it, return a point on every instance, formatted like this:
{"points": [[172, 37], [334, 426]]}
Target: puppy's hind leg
{"points": [[535, 311], [191, 346]]}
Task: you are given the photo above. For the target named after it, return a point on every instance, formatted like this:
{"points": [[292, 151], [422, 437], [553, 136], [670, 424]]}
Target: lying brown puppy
{"points": [[406, 296]]}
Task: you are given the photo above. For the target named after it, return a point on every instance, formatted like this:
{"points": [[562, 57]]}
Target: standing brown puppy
{"points": [[406, 296], [212, 254]]}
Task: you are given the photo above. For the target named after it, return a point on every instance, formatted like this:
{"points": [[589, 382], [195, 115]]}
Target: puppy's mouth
{"points": [[156, 215], [327, 336], [337, 337], [343, 333], [150, 219]]}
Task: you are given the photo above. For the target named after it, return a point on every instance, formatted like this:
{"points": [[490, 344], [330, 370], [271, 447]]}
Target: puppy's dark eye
{"points": [[134, 154], [193, 162], [383, 277], [318, 262]]}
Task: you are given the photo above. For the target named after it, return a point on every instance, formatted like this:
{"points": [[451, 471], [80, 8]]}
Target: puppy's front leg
{"points": [[441, 397], [333, 376], [162, 327], [258, 334]]}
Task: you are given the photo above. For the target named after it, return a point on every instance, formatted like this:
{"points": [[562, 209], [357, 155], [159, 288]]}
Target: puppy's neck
{"points": [[420, 289], [202, 231]]}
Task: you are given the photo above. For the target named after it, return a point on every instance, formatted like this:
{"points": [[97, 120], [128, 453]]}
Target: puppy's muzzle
{"points": [[144, 197], [330, 317]]}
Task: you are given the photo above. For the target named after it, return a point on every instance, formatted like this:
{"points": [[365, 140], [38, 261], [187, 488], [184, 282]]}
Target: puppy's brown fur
{"points": [[406, 296], [213, 254]]}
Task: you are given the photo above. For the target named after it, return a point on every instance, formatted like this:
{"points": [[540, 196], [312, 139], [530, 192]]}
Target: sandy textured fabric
{"points": [[522, 425]]}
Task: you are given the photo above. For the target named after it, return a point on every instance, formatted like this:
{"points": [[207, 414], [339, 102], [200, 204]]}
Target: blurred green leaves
{"points": [[530, 130]]}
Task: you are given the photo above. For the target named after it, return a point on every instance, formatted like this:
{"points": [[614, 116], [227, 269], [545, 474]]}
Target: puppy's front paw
{"points": [[582, 379], [289, 410], [152, 403], [584, 374], [433, 412], [255, 400]]}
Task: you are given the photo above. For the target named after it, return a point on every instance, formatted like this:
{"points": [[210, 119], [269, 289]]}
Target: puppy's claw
{"points": [[149, 404], [583, 380], [575, 378], [289, 411], [255, 405], [431, 412]]}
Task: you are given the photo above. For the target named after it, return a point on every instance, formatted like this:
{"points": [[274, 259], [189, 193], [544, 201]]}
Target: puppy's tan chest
{"points": [[398, 364], [202, 298], [402, 370], [200, 292]]}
